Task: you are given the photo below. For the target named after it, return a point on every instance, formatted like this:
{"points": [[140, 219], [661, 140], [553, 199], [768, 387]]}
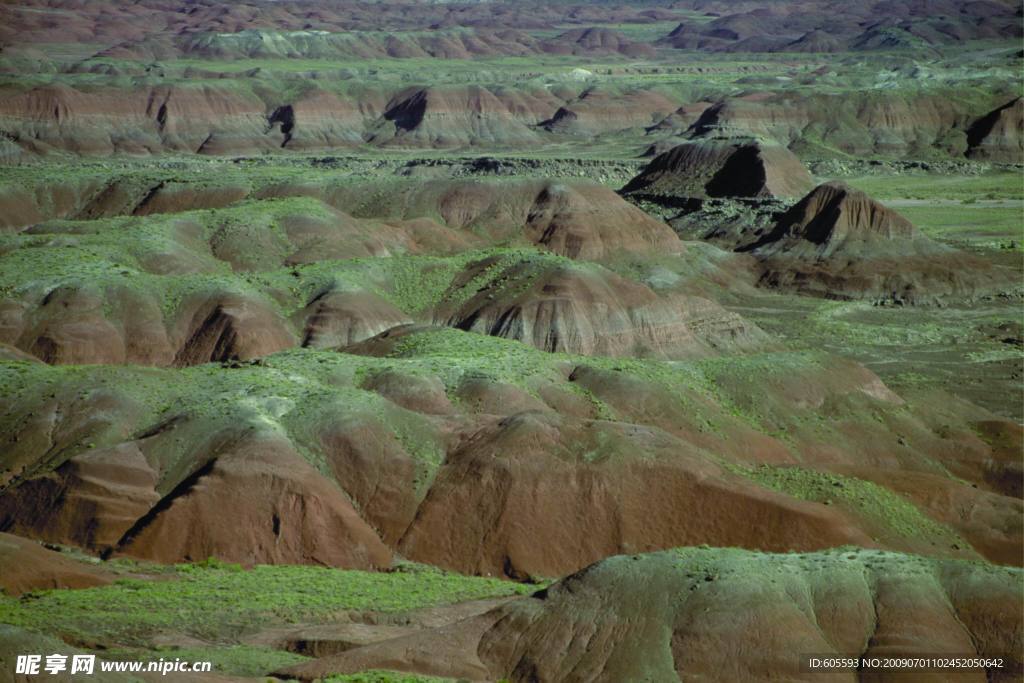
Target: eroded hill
{"points": [[414, 341]]}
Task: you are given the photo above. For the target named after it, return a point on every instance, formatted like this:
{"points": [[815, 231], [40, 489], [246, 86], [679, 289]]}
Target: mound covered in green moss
{"points": [[714, 612]]}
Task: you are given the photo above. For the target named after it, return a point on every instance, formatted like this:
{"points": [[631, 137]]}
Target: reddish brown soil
{"points": [[112, 501], [340, 318], [554, 472], [590, 222], [481, 455], [594, 312], [90, 501], [576, 219], [447, 117], [597, 111], [835, 213], [78, 322], [204, 120], [27, 566], [84, 324], [291, 515], [596, 40], [734, 26], [219, 119], [539, 475], [229, 328]]}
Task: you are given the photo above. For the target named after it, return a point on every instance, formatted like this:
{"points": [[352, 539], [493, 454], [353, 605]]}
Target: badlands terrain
{"points": [[511, 341]]}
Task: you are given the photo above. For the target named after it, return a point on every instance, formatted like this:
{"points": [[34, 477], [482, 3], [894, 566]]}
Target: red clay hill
{"points": [[168, 301], [565, 459], [838, 242], [890, 123], [584, 308], [722, 168], [152, 77]]}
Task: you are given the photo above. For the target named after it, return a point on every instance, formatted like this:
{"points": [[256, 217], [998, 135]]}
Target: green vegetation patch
{"points": [[219, 602], [412, 283], [299, 392], [874, 502], [705, 564], [994, 185], [509, 274], [975, 225]]}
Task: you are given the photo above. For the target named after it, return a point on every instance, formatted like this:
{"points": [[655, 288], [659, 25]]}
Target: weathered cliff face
{"points": [[597, 111], [455, 117], [889, 124], [202, 119], [835, 216], [223, 119], [214, 117], [999, 135]]}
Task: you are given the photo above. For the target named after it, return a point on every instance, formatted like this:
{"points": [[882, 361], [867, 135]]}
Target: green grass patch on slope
{"points": [[299, 392], [219, 602], [874, 502]]}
